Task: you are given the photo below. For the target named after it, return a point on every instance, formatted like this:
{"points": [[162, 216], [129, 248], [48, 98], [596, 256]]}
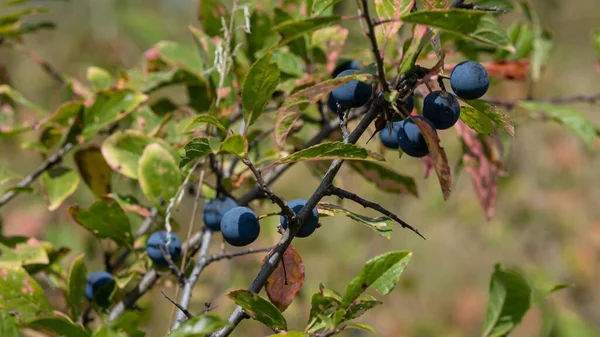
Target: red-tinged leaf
{"points": [[515, 70], [421, 36], [484, 173], [427, 166], [290, 111], [331, 40], [287, 279], [438, 155], [392, 11], [436, 4]]}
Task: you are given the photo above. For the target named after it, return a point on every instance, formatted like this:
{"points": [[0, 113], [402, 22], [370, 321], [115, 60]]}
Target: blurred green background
{"points": [[547, 218]]}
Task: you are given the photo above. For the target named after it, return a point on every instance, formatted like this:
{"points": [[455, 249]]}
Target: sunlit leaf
{"points": [[104, 219], [58, 184], [381, 225], [259, 84], [21, 293], [286, 280], [258, 308], [199, 326], [157, 165]]}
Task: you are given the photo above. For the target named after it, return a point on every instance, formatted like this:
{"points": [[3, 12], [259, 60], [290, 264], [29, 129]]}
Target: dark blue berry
{"points": [[469, 80], [390, 140], [411, 139], [405, 109], [352, 94], [96, 281], [442, 109], [310, 222], [240, 226], [349, 64], [215, 209], [159, 239]]}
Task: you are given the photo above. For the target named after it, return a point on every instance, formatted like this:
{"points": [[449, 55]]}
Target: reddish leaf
{"points": [[516, 70], [436, 4], [438, 155], [484, 172], [427, 166], [282, 287]]}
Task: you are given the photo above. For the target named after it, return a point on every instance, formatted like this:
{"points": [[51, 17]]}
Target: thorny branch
{"points": [[48, 164], [332, 190]]}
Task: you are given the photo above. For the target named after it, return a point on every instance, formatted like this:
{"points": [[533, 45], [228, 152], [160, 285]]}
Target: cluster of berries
{"points": [[441, 109]]}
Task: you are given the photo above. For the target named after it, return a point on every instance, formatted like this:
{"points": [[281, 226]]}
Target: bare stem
{"points": [[369, 204], [48, 164], [375, 47]]}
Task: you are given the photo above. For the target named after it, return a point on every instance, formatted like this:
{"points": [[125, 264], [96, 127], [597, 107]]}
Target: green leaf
{"points": [[358, 308], [157, 165], [31, 253], [293, 29], [19, 98], [58, 184], [123, 151], [381, 273], [109, 106], [205, 119], [235, 144], [210, 14], [319, 6], [261, 27], [381, 225], [494, 114], [331, 150], [290, 111], [59, 325], [94, 170], [384, 178], [8, 327], [199, 326], [258, 308], [259, 84], [76, 282], [421, 37], [359, 326], [195, 149], [476, 120], [323, 304], [99, 78], [510, 298], [178, 56], [289, 63], [105, 331], [105, 219], [21, 293], [477, 25], [567, 116]]}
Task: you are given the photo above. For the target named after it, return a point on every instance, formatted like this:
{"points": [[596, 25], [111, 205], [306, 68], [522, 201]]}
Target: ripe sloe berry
{"points": [[310, 223], [159, 239], [442, 109], [215, 209], [96, 281], [352, 94], [411, 139], [240, 226], [390, 141], [349, 64], [406, 109], [469, 80]]}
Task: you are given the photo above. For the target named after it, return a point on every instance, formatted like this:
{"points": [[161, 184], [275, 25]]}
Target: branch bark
{"points": [[48, 164]]}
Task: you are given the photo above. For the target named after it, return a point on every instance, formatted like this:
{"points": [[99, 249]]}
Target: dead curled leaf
{"points": [[287, 279]]}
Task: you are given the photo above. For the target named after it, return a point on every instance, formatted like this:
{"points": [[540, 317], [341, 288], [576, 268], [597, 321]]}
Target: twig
{"points": [[285, 209], [48, 164], [332, 190], [182, 309], [48, 68], [273, 258], [172, 266], [186, 294], [377, 54], [229, 256], [146, 284]]}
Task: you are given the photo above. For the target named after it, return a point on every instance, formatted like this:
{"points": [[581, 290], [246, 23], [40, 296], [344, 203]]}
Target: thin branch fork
{"points": [[332, 190], [375, 47], [47, 165], [182, 309]]}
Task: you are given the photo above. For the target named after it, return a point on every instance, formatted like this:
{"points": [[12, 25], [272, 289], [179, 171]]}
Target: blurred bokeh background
{"points": [[547, 220]]}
